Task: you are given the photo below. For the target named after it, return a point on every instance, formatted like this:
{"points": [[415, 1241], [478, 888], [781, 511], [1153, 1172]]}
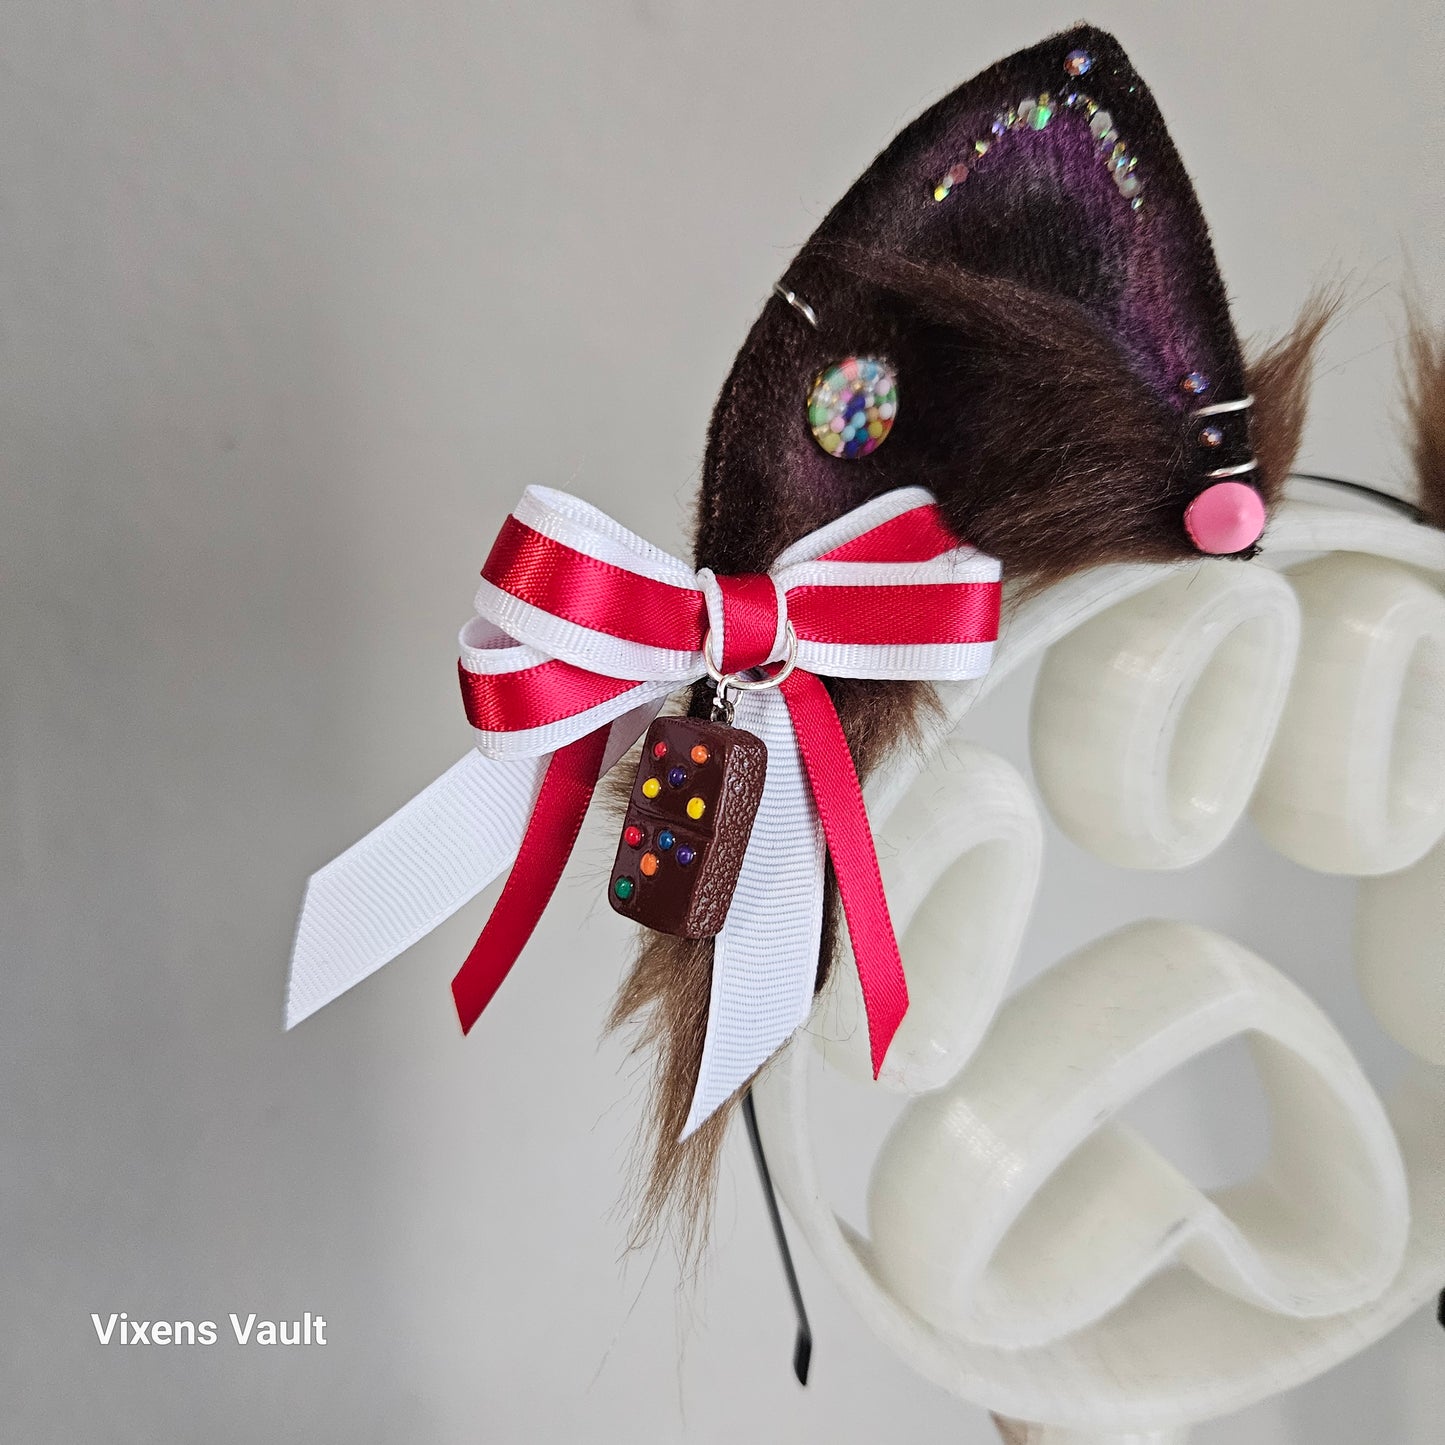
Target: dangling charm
{"points": [[688, 822], [691, 814], [852, 406]]}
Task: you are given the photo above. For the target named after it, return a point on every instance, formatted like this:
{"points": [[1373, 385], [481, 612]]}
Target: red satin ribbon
{"points": [[839, 797], [610, 599], [945, 612], [919, 535], [750, 620], [509, 702], [547, 844], [593, 593]]}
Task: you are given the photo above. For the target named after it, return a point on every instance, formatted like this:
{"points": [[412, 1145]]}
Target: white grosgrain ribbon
{"points": [[582, 630]]}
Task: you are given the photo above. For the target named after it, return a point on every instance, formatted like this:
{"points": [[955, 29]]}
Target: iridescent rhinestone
{"points": [[1043, 113], [1078, 62], [957, 175], [1211, 436], [999, 126], [1072, 99], [1128, 183], [1026, 111], [1137, 204], [1194, 384], [980, 147], [1100, 124]]}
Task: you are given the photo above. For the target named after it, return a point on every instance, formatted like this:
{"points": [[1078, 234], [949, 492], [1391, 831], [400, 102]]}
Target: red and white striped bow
{"points": [[582, 630]]}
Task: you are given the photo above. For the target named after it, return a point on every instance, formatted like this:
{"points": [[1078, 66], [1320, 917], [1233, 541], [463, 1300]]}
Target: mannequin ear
{"points": [[1030, 258]]}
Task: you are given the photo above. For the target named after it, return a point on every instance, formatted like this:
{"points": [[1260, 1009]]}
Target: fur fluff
{"points": [[1424, 379], [1279, 379]]}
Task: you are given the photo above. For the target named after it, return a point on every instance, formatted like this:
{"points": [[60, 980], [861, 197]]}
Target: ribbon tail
{"points": [[407, 876], [566, 791], [765, 960], [839, 797], [423, 863]]}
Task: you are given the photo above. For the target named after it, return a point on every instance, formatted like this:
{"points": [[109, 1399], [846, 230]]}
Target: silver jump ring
{"points": [[747, 684]]}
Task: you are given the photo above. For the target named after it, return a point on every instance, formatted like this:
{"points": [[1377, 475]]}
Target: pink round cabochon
{"points": [[1224, 518]]}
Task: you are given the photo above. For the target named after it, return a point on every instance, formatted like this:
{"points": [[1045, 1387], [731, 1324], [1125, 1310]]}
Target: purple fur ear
{"points": [[1056, 168], [1031, 260]]}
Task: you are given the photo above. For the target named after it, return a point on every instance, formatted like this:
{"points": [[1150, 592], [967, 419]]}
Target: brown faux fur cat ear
{"points": [[1030, 258]]}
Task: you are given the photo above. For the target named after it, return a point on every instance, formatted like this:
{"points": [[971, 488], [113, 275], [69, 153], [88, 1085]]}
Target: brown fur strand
{"points": [[1279, 380], [1424, 378]]}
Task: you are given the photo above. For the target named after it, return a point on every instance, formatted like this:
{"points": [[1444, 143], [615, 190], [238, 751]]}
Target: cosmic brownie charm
{"points": [[688, 823]]}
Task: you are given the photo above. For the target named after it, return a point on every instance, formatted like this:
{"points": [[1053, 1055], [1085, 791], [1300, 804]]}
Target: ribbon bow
{"points": [[582, 630]]}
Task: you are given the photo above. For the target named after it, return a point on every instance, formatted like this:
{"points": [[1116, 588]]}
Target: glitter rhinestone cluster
{"points": [[852, 406], [1035, 113]]}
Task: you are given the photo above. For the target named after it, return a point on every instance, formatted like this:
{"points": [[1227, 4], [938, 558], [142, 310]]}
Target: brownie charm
{"points": [[688, 823]]}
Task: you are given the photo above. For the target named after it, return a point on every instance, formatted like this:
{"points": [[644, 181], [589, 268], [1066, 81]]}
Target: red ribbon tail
{"points": [[567, 789], [839, 797]]}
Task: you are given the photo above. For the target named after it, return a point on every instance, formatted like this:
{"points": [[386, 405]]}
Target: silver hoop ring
{"points": [[797, 303], [1220, 472], [748, 684], [1219, 408]]}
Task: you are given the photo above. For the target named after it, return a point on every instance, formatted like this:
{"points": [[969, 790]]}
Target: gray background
{"points": [[296, 298]]}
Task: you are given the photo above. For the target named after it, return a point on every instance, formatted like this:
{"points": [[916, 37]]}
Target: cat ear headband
{"points": [[1011, 330]]}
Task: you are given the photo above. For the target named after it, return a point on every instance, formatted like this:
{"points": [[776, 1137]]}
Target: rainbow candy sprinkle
{"points": [[852, 406]]}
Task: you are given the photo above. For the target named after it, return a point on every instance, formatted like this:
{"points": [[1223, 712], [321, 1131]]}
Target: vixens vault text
{"points": [[120, 1329]]}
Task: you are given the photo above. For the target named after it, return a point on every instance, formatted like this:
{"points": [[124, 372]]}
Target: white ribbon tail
{"points": [[417, 868], [765, 960]]}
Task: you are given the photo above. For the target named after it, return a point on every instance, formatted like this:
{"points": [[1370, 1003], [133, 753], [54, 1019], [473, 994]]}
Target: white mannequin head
{"points": [[1022, 1242]]}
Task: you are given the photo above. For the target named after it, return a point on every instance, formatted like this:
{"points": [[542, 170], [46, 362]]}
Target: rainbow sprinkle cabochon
{"points": [[852, 406]]}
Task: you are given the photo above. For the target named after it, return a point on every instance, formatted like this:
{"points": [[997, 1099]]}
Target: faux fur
{"points": [[1424, 377], [1279, 379], [1040, 329]]}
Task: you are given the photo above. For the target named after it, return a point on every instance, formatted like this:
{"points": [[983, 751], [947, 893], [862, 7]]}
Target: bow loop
{"points": [[747, 619]]}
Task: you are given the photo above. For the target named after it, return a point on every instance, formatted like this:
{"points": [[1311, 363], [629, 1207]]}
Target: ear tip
{"points": [[1087, 32]]}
